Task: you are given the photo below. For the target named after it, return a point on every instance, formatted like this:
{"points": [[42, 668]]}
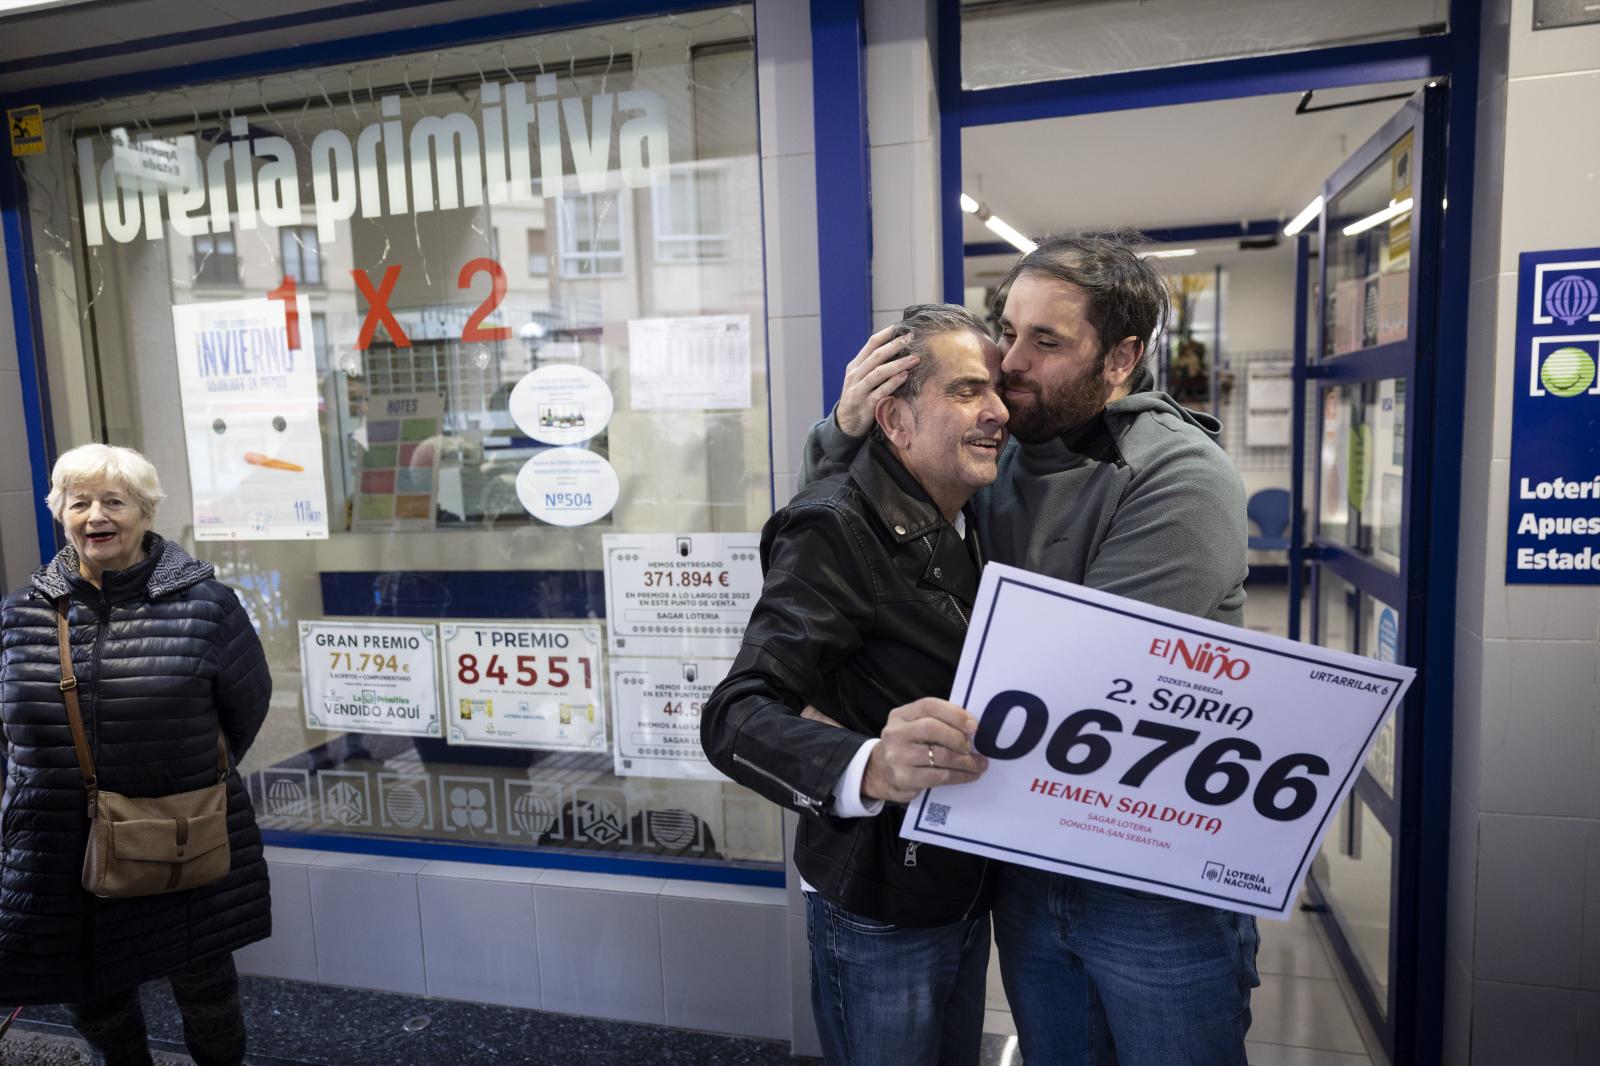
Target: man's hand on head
{"points": [[877, 370], [924, 744]]}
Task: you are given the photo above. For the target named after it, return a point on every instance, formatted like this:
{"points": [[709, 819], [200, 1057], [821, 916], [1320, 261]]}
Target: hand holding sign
{"points": [[924, 744]]}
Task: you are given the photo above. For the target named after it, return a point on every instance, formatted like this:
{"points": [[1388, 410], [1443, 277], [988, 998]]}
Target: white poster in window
{"points": [[561, 404], [524, 685], [248, 385], [658, 704], [370, 677], [676, 594], [568, 486], [689, 364]]}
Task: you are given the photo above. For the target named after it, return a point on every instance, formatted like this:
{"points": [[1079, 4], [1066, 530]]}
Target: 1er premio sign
{"points": [[1146, 748]]}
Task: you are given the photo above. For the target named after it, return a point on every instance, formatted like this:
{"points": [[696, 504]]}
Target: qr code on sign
{"points": [[937, 813]]}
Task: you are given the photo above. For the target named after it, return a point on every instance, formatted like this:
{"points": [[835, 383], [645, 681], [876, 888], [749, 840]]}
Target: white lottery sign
{"points": [[370, 677], [524, 685], [677, 593], [658, 704], [1146, 748]]}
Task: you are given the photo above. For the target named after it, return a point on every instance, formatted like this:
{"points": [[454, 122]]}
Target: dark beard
{"points": [[1052, 414]]}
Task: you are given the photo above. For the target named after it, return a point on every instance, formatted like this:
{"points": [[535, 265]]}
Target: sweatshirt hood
{"points": [[1144, 397]]}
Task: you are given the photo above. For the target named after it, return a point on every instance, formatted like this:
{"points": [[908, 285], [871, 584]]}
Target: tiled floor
{"points": [[1303, 1013]]}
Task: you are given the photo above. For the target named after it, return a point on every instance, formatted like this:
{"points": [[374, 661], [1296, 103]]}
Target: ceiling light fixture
{"points": [[1004, 229], [1169, 253], [996, 224], [1395, 209], [1303, 219]]}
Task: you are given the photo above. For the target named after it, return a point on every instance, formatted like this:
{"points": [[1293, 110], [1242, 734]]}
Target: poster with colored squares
{"points": [[398, 477]]}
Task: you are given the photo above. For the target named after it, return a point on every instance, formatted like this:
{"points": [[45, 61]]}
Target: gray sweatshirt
{"points": [[1140, 502]]}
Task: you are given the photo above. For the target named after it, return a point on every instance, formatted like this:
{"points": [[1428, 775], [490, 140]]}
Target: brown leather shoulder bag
{"points": [[145, 846]]}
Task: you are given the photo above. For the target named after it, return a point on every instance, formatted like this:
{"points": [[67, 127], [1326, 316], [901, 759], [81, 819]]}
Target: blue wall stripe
{"points": [[948, 52], [1324, 68], [844, 182], [552, 858], [36, 414], [511, 594]]}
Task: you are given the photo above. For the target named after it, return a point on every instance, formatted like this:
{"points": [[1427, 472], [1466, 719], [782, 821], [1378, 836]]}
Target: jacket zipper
{"points": [[104, 615], [799, 797], [953, 602]]}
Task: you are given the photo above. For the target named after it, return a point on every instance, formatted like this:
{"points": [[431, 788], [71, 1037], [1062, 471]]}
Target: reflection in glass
{"points": [[429, 299], [1355, 871], [1361, 453], [1368, 255]]}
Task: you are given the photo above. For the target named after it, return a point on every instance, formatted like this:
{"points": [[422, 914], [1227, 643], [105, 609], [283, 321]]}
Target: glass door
{"points": [[1365, 492]]}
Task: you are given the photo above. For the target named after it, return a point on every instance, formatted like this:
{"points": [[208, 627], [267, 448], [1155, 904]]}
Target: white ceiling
{"points": [[1223, 161]]}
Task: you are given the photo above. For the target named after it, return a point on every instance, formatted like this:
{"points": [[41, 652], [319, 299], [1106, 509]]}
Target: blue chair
{"points": [[1269, 510]]}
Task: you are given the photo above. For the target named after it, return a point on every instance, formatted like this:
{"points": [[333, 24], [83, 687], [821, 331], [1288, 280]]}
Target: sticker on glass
{"points": [[561, 404], [568, 486]]}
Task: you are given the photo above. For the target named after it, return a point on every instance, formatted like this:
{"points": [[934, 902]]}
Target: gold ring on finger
{"points": [[930, 756]]}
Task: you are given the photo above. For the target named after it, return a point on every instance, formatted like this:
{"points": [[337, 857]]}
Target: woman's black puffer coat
{"points": [[162, 653]]}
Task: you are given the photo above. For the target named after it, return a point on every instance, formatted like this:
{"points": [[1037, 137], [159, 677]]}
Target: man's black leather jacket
{"points": [[864, 608]]}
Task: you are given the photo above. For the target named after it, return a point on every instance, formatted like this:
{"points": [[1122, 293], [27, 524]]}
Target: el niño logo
{"points": [[1213, 660]]}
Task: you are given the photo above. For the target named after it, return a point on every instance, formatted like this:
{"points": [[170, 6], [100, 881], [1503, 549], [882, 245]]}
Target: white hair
{"points": [[90, 463]]}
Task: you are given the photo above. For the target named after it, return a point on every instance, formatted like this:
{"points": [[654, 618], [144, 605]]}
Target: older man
{"points": [[1112, 485], [870, 579]]}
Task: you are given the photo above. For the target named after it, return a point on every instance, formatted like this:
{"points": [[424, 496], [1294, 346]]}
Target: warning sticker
{"points": [[27, 130]]}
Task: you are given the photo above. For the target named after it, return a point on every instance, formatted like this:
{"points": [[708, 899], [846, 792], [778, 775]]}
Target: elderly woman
{"points": [[165, 657]]}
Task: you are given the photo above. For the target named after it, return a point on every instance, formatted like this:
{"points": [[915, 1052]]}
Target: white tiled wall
{"points": [[1523, 978], [688, 954]]}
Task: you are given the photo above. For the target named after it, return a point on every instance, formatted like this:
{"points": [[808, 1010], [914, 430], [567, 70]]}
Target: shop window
{"points": [[589, 235], [687, 214], [302, 254], [216, 259], [471, 462]]}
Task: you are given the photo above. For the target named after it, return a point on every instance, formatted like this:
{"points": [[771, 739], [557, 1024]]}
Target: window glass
{"points": [[1355, 870], [1362, 455], [1368, 253], [1010, 42], [1353, 621], [301, 254], [688, 216], [216, 259], [444, 478]]}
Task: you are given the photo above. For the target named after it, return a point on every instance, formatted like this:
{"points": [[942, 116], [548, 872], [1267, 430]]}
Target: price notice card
{"points": [[527, 685], [370, 677], [1146, 748], [671, 593]]}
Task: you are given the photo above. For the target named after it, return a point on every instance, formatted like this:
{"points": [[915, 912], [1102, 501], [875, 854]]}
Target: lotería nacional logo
{"points": [[1216, 873]]}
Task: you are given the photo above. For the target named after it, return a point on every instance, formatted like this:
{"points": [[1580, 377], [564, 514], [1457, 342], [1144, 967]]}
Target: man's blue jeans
{"points": [[1103, 976], [887, 994]]}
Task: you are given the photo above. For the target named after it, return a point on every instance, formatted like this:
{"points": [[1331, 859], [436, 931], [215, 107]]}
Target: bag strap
{"points": [[80, 739], [69, 692]]}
